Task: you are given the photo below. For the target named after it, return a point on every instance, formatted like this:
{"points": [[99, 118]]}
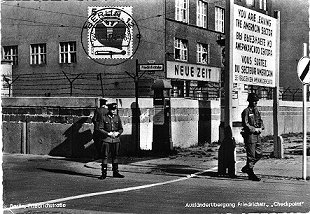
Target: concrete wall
{"points": [[62, 126], [290, 118], [194, 121]]}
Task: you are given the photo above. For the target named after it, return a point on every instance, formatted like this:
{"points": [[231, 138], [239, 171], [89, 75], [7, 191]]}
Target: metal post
{"points": [[304, 159], [137, 106], [228, 86], [71, 81], [277, 143], [137, 110], [101, 83], [228, 71], [71, 88], [304, 101], [9, 89]]}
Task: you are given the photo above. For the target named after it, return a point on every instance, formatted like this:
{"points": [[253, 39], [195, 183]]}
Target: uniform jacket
{"points": [[108, 124], [251, 119], [99, 113]]}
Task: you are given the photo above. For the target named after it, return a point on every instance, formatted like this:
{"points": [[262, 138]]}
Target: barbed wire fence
{"points": [[117, 84], [67, 84]]}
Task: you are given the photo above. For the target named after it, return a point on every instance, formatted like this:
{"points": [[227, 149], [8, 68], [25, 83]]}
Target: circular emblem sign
{"points": [[110, 34], [303, 70]]}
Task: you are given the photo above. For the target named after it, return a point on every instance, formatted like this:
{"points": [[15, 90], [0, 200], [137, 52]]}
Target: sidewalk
{"points": [[181, 164], [288, 168]]}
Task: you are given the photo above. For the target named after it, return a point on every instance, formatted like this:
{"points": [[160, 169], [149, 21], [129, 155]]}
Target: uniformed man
{"points": [[252, 127], [110, 128], [99, 113]]}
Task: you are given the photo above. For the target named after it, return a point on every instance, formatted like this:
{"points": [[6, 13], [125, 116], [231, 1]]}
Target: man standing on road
{"points": [[110, 128], [99, 113], [252, 127]]}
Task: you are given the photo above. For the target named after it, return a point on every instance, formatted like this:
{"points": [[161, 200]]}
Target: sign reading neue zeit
{"points": [[254, 47], [185, 71]]}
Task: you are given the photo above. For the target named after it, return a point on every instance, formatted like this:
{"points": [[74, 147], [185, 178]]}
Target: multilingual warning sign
{"points": [[254, 47]]}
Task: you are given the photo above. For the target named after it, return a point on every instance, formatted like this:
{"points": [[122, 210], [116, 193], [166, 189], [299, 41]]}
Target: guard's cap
{"points": [[253, 97], [112, 106]]}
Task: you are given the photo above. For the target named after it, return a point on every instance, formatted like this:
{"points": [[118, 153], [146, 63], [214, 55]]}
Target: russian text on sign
{"points": [[253, 47]]}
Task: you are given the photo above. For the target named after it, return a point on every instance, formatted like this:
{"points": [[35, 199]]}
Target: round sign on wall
{"points": [[303, 70]]}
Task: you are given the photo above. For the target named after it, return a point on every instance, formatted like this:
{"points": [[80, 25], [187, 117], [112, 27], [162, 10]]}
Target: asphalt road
{"points": [[77, 189]]}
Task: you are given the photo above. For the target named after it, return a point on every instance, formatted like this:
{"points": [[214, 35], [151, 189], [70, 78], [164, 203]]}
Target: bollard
{"points": [[227, 154]]}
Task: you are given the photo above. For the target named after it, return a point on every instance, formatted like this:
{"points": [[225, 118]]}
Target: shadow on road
{"points": [[68, 172], [176, 169]]}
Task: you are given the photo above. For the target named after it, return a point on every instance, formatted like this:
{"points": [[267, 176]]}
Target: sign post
{"points": [[304, 76], [251, 51], [277, 139]]}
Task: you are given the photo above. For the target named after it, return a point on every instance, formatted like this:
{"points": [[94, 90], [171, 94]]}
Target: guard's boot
{"points": [[232, 170], [115, 171], [245, 169], [104, 170], [252, 176]]}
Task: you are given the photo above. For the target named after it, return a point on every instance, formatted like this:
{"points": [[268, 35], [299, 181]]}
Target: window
{"points": [[180, 49], [202, 9], [181, 10], [203, 53], [250, 2], [219, 19], [67, 52], [263, 4], [177, 88], [38, 54], [11, 53]]}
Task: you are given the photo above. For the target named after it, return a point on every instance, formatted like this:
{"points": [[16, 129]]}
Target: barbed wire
{"points": [[56, 84]]}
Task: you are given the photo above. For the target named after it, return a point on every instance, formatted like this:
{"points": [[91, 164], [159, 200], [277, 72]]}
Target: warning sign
{"points": [[254, 47]]}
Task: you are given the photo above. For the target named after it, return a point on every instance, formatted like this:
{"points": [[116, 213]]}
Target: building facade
{"points": [[48, 46], [294, 31]]}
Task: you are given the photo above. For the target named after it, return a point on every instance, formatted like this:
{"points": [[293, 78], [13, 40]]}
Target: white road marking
{"points": [[108, 192]]}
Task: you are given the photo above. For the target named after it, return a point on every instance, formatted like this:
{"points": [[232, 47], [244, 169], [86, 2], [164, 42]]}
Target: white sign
{"points": [[303, 70], [151, 67], [6, 78], [254, 47], [185, 71]]}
